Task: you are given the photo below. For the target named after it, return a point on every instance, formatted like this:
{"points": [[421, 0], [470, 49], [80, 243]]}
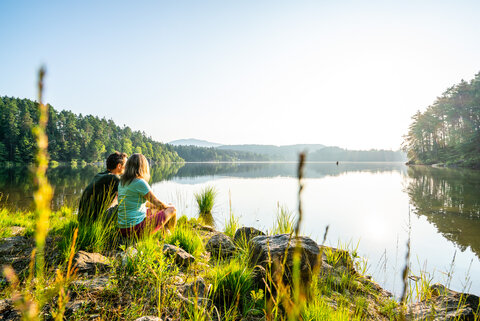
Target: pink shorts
{"points": [[153, 222]]}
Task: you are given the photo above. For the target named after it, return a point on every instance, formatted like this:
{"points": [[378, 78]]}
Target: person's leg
{"points": [[170, 218]]}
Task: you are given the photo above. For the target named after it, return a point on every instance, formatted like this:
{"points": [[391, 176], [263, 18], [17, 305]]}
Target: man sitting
{"points": [[100, 196]]}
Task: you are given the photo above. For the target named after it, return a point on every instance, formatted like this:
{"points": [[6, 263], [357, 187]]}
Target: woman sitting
{"points": [[138, 208]]}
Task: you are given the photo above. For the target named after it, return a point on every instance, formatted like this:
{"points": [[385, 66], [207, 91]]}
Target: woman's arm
{"points": [[151, 198]]}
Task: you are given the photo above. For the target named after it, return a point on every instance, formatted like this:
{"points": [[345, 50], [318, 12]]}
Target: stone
{"points": [[7, 311], [16, 251], [73, 306], [338, 258], [269, 253], [220, 246], [182, 258], [17, 230], [129, 254], [195, 289], [445, 304], [148, 318], [92, 285], [245, 234], [91, 263]]}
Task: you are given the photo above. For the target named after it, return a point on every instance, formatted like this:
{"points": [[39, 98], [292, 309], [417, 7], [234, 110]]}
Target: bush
{"points": [[187, 239], [232, 285]]}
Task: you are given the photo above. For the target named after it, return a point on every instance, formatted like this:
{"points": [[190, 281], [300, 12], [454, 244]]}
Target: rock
{"points": [[15, 251], [73, 306], [204, 227], [148, 318], [245, 234], [92, 285], [129, 254], [195, 289], [182, 258], [91, 262], [445, 304], [337, 258], [17, 230], [220, 246], [7, 311], [269, 252]]}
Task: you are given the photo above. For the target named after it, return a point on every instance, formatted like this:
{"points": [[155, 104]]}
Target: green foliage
{"points": [[71, 136], [206, 200], [231, 225], [187, 239], [284, 221], [449, 129], [389, 308], [211, 154], [232, 285]]}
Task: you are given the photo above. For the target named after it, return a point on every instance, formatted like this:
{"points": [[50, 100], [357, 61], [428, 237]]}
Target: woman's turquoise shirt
{"points": [[131, 203]]}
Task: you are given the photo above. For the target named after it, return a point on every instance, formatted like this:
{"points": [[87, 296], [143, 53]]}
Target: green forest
{"points": [[90, 138], [207, 154], [71, 136], [448, 132]]}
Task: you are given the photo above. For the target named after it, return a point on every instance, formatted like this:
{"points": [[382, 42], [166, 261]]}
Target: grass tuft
{"points": [[206, 200]]}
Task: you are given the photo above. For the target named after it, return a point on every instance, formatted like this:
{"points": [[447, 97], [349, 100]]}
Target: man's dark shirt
{"points": [[98, 196]]}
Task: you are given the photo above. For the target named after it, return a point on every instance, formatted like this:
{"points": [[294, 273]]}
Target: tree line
{"points": [[71, 136], [448, 131], [192, 153]]}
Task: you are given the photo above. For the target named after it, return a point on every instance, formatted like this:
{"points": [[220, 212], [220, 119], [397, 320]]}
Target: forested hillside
{"points": [[71, 136], [449, 130], [340, 154], [211, 154]]}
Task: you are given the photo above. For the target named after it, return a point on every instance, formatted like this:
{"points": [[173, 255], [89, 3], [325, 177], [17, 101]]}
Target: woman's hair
{"points": [[136, 167]]}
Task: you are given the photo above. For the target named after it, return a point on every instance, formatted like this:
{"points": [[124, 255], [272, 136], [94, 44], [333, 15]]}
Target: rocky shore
{"points": [[100, 276]]}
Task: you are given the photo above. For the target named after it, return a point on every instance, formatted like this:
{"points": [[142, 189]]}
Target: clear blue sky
{"points": [[345, 73]]}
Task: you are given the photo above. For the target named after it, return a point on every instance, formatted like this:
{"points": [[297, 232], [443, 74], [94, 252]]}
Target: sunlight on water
{"points": [[368, 208]]}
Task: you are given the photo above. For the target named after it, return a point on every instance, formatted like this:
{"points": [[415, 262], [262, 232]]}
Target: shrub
{"points": [[232, 285], [187, 239]]}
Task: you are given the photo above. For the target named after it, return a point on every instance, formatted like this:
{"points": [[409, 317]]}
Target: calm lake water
{"points": [[369, 206]]}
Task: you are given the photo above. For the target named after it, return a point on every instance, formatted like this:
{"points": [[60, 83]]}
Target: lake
{"points": [[371, 207]]}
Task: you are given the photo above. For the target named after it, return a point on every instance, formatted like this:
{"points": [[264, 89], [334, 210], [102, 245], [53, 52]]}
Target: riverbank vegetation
{"points": [[448, 131]]}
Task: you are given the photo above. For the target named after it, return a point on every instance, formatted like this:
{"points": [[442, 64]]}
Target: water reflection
{"points": [[265, 170], [449, 199], [207, 219], [16, 183]]}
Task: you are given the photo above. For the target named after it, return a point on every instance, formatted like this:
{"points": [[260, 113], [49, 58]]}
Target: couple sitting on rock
{"points": [[137, 208]]}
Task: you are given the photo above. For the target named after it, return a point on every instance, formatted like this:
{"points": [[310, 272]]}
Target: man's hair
{"points": [[114, 159]]}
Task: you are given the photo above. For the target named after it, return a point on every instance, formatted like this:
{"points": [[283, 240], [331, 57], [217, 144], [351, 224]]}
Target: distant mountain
{"points": [[193, 142], [374, 155], [252, 152]]}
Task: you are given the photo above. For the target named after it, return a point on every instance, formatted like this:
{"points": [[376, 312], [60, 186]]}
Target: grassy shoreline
{"points": [[150, 283]]}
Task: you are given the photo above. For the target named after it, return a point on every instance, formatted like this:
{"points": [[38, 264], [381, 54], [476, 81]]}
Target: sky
{"points": [[339, 73]]}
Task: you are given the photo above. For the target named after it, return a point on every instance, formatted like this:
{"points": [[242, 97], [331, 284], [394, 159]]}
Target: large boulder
{"points": [[181, 257], [91, 263], [445, 304], [269, 252], [220, 246], [245, 234]]}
